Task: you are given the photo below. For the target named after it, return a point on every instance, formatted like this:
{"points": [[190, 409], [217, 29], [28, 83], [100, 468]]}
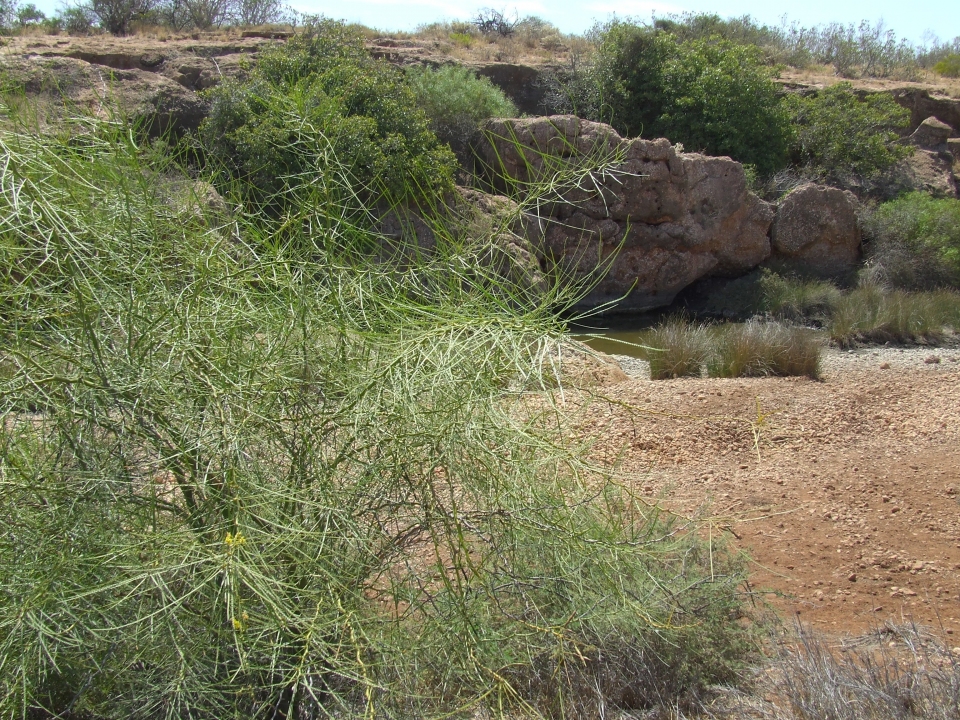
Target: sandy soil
{"points": [[845, 492], [823, 76]]}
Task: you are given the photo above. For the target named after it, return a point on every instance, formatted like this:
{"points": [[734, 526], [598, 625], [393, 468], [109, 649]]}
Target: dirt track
{"points": [[848, 495]]}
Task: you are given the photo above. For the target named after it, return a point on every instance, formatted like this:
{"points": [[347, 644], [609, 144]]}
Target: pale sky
{"points": [[908, 20]]}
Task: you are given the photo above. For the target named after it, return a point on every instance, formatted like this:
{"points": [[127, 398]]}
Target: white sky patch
{"points": [[634, 8]]}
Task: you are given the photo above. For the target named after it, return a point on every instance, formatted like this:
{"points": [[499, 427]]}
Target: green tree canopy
{"points": [[712, 95]]}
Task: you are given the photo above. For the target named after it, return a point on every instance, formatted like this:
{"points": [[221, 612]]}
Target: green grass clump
{"points": [[248, 470], [871, 313], [796, 299], [914, 242], [678, 348], [757, 349]]}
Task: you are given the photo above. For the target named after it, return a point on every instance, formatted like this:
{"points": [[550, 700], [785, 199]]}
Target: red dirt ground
{"points": [[847, 497]]}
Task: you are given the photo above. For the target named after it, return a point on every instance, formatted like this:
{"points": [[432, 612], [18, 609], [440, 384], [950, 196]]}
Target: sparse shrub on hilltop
{"points": [[949, 66], [838, 133], [321, 101]]}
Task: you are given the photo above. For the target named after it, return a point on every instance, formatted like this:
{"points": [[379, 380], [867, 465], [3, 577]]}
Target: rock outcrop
{"points": [[138, 95], [923, 105], [930, 168], [932, 134], [142, 78], [650, 223], [816, 230]]}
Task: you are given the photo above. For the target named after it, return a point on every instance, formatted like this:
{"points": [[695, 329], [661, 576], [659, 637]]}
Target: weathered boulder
{"points": [[574, 364], [652, 221], [929, 171], [953, 147], [816, 230], [932, 134], [493, 224]]}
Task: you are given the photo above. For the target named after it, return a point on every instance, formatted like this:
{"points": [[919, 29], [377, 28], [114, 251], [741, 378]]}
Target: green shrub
{"points": [[274, 479], [839, 133], [317, 103], [949, 66], [798, 300], [914, 241], [455, 100], [711, 95], [756, 349], [29, 14], [678, 348], [77, 20], [117, 16], [871, 313]]}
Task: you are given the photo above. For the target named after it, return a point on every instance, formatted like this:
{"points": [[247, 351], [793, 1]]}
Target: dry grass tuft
{"points": [[756, 349], [872, 314], [678, 349], [903, 673]]}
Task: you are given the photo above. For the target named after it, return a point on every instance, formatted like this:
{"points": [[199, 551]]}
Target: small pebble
{"points": [[932, 360], [884, 366]]}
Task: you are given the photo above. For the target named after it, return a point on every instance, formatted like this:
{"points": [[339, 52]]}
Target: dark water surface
{"points": [[615, 334]]}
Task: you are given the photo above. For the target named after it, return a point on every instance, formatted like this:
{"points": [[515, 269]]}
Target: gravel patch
{"points": [[835, 362]]}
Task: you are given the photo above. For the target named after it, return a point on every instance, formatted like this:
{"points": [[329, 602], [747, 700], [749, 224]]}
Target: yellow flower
{"points": [[232, 540]]}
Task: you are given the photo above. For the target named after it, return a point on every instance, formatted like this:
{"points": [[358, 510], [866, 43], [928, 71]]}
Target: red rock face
{"points": [[653, 222], [816, 229]]}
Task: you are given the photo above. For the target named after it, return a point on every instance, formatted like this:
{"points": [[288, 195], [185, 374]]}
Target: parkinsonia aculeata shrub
{"points": [[247, 472]]}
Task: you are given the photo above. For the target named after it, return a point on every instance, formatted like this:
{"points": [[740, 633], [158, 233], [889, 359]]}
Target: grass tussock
{"points": [[872, 314], [901, 674], [757, 349], [752, 349], [679, 348], [798, 300]]}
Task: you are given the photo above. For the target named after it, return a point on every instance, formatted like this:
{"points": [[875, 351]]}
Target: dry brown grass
{"points": [[895, 673]]}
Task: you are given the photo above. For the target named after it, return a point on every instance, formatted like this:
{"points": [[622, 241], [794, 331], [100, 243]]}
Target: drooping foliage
{"points": [[242, 477]]}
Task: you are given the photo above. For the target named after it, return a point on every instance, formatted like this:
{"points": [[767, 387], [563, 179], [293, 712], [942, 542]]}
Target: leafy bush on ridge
{"points": [[711, 95], [455, 100], [839, 133], [321, 96]]}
